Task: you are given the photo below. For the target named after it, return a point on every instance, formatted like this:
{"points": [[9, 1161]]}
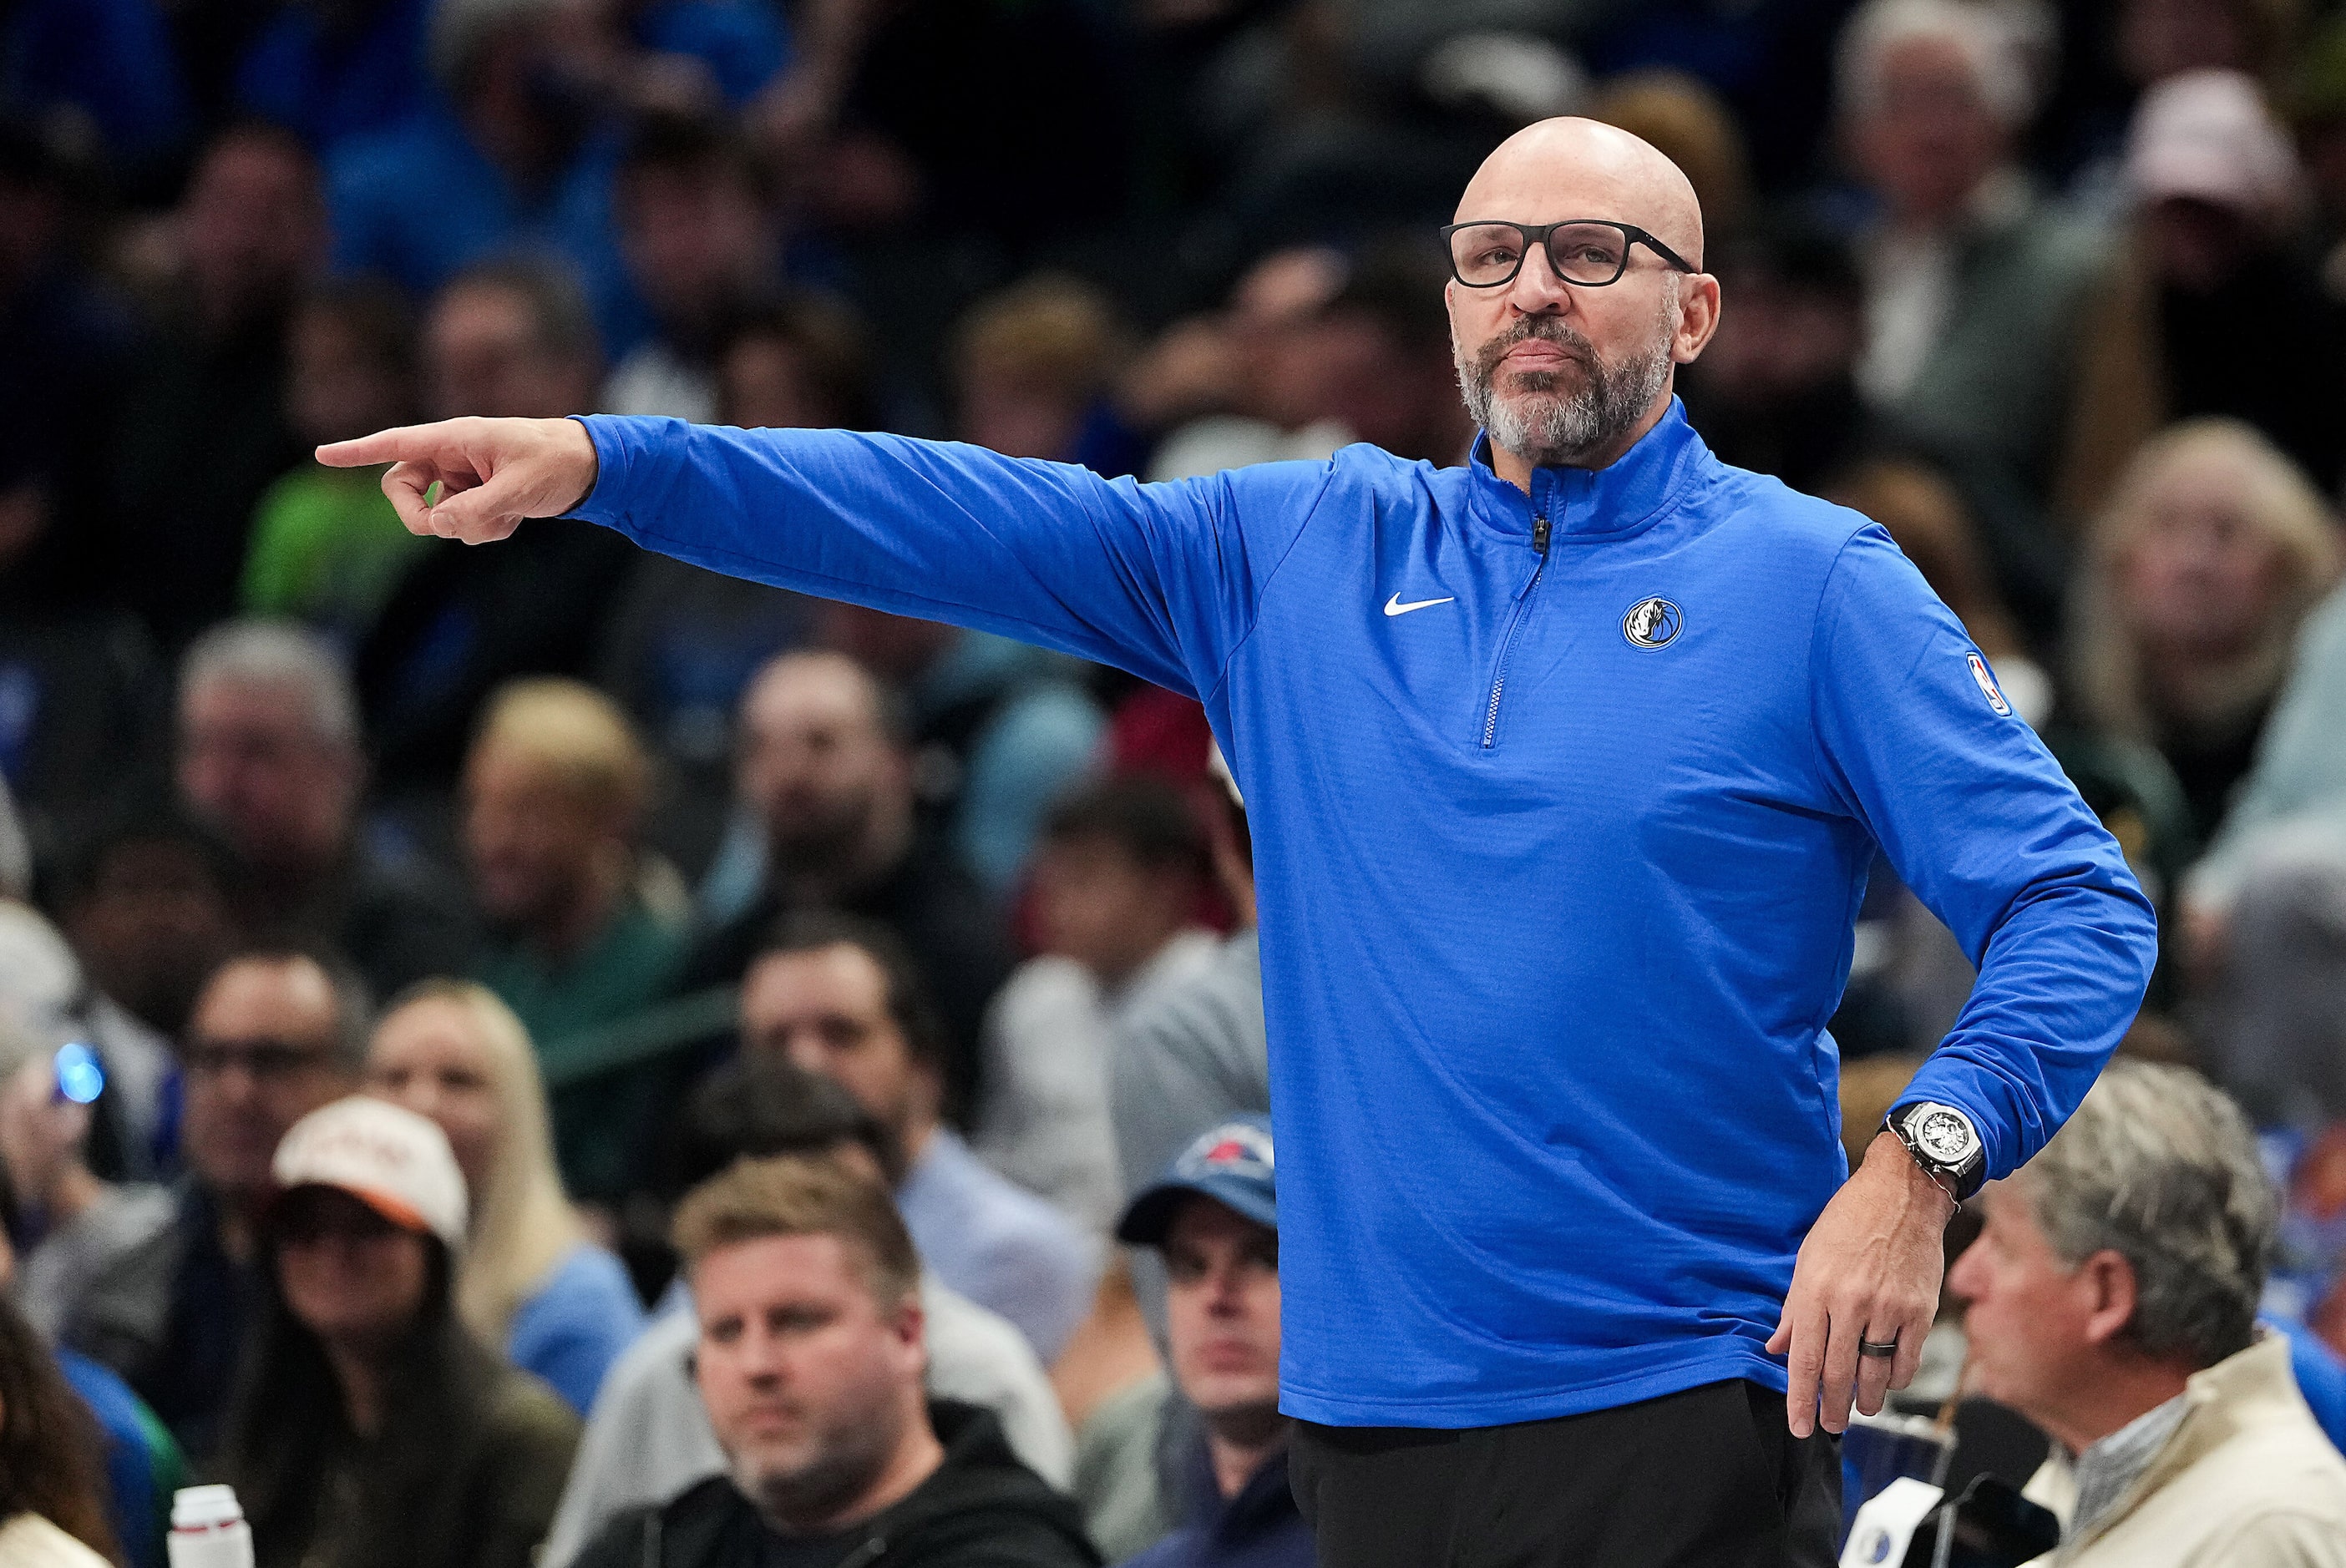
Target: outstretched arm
{"points": [[1160, 579]]}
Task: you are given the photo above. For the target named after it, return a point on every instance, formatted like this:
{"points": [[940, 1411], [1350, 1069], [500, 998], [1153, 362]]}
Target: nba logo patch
{"points": [[1987, 686]]}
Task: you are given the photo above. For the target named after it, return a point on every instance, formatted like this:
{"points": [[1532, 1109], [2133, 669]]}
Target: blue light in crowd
{"points": [[79, 1078]]}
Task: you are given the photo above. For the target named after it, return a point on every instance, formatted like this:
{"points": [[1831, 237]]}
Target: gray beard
{"points": [[1547, 423]]}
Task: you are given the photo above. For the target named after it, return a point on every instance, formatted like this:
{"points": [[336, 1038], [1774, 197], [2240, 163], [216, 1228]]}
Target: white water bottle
{"points": [[208, 1528]]}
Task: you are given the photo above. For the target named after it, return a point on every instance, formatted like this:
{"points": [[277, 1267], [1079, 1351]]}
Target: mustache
{"points": [[1540, 329]]}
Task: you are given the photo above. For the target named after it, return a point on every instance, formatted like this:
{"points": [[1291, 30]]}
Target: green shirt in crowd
{"points": [[327, 548], [602, 1123]]}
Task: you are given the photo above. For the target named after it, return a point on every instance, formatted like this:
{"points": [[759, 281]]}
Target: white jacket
{"points": [[2246, 1480]]}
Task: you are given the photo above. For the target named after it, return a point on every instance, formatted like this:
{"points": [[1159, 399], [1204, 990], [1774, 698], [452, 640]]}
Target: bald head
{"points": [[1573, 373], [1583, 169]]}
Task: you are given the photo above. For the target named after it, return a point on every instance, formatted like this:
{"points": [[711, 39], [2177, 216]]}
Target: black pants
{"points": [[1710, 1478]]}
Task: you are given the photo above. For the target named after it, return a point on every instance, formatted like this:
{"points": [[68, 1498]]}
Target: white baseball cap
{"points": [[388, 1157], [2208, 135]]}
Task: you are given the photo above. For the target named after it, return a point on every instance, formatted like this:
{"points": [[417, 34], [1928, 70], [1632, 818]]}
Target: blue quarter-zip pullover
{"points": [[1562, 808]]}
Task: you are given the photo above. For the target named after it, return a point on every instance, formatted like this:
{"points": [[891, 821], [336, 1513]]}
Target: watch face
{"points": [[1944, 1134]]}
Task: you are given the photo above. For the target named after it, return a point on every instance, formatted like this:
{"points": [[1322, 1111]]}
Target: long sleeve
{"points": [[1159, 579], [1980, 822]]}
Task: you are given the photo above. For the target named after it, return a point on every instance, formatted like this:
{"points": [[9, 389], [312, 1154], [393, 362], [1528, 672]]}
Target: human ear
{"points": [[2108, 1280], [1698, 308]]}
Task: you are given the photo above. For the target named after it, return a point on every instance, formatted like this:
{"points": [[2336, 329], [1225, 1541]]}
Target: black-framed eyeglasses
{"points": [[264, 1061], [1590, 252]]}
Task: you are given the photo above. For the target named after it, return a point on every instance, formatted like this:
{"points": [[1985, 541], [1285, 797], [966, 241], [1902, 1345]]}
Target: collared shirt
{"points": [[2107, 1468], [998, 1244]]}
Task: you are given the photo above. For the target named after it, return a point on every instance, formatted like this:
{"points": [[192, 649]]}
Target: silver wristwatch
{"points": [[1944, 1144]]}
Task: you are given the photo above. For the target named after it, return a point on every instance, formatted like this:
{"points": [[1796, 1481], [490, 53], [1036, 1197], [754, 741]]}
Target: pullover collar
{"points": [[1586, 506]]}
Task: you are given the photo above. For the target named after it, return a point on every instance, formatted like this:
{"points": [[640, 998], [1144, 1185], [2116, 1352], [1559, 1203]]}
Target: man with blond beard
{"points": [[810, 1363]]}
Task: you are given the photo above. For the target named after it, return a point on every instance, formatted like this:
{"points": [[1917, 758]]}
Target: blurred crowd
{"points": [[614, 872]]}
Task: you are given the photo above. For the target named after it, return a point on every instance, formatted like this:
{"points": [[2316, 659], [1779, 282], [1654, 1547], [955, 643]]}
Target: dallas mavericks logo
{"points": [[1651, 623]]}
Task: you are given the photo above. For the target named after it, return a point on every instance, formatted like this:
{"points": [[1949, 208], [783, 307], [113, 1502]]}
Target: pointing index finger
{"points": [[404, 443]]}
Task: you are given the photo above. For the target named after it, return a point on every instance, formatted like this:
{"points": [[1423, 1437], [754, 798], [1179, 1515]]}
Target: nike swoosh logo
{"points": [[1394, 607]]}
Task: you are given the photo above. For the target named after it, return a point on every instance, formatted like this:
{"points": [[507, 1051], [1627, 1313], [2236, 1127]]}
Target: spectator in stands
{"points": [[142, 1465], [369, 1427], [684, 641], [275, 1034], [148, 900], [803, 360], [697, 228], [270, 756], [529, 1282], [811, 1362], [1248, 384], [1032, 368], [201, 431], [518, 155], [53, 1480], [998, 729], [554, 794], [69, 1219], [649, 1439], [327, 548], [1384, 349], [1198, 1052], [504, 339], [1213, 1218], [838, 996], [2211, 554], [823, 763], [1116, 892], [2212, 275], [2112, 1300], [1973, 284]]}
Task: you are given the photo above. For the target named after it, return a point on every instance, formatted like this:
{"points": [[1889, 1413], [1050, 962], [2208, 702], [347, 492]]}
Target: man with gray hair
{"points": [[1971, 282], [270, 755], [2113, 1301]]}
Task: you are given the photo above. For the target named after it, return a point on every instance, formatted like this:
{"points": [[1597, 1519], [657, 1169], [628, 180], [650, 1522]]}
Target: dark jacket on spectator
{"points": [[168, 1313], [1260, 1528], [464, 1471], [980, 1509]]}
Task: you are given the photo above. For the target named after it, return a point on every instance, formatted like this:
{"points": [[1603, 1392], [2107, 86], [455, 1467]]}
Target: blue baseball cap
{"points": [[1230, 1163]]}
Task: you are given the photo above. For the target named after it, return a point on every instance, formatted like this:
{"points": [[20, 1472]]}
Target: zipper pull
{"points": [[1539, 534]]}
